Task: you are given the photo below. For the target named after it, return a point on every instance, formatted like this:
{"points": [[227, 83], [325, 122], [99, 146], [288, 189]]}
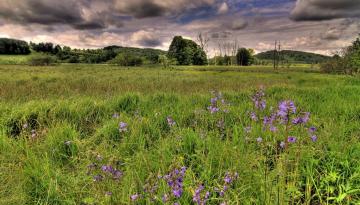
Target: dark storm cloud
{"points": [[143, 9], [157, 8], [316, 10], [49, 12], [150, 42]]}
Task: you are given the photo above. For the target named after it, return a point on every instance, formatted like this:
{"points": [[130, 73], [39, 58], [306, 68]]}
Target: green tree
{"points": [[186, 52], [13, 46], [244, 57]]}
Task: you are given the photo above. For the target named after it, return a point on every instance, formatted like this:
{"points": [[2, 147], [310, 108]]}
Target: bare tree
{"points": [[203, 41], [275, 56], [235, 48]]}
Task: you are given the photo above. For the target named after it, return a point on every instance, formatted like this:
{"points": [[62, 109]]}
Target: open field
{"points": [[14, 59], [59, 135]]}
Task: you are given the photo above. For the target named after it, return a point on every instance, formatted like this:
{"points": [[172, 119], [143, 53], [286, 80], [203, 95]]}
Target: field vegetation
{"points": [[104, 134]]}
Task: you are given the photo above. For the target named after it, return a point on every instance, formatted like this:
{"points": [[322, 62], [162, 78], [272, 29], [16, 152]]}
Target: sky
{"points": [[320, 26]]}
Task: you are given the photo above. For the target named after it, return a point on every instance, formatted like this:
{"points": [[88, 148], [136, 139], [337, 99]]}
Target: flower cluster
{"points": [[171, 122], [123, 127], [200, 199], [229, 179], [112, 172], [269, 122], [116, 115], [217, 103], [103, 172], [285, 109], [312, 131], [301, 119], [175, 181], [282, 119], [258, 99]]}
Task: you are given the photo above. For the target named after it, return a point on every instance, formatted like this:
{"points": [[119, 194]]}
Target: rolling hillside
{"points": [[294, 56]]}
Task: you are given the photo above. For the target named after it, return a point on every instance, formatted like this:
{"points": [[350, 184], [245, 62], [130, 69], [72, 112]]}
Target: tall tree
{"points": [[243, 57], [186, 52]]}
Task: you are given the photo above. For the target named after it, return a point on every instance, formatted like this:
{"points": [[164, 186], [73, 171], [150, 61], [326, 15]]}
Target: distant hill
{"points": [[294, 56]]}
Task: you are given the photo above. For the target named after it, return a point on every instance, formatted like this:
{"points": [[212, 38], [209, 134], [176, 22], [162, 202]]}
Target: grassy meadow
{"points": [[101, 134]]}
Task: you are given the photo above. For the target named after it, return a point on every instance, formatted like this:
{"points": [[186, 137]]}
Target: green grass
{"points": [[14, 59], [70, 109]]}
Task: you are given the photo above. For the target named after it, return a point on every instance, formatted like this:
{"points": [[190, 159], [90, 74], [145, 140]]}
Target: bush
{"points": [[126, 59], [42, 60], [348, 62]]}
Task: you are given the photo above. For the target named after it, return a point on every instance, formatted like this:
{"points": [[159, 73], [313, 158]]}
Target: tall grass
{"points": [[59, 126]]}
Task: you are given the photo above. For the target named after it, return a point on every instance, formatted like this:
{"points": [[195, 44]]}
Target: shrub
{"points": [[42, 60], [348, 62], [126, 59]]}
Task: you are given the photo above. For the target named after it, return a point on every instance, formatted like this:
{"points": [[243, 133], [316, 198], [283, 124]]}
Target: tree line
{"points": [[13, 47], [181, 52]]}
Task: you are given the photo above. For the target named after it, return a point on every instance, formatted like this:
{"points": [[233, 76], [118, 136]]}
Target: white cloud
{"points": [[223, 8]]}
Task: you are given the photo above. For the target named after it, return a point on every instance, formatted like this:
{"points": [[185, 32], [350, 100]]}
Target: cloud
{"points": [[221, 35], [332, 34], [146, 39], [48, 12], [239, 24], [315, 10], [157, 8], [141, 9], [223, 8]]}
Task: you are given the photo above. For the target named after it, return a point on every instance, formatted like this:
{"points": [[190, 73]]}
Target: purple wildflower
{"points": [[116, 115], [164, 198], [175, 180], [98, 178], [258, 100], [312, 129], [282, 145], [269, 122], [292, 139], [170, 121], [197, 198], [314, 138], [116, 174], [259, 139], [214, 100], [253, 116], [273, 128], [108, 193], [213, 109], [123, 127], [230, 177], [301, 120], [134, 197], [33, 134], [286, 108], [247, 129]]}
